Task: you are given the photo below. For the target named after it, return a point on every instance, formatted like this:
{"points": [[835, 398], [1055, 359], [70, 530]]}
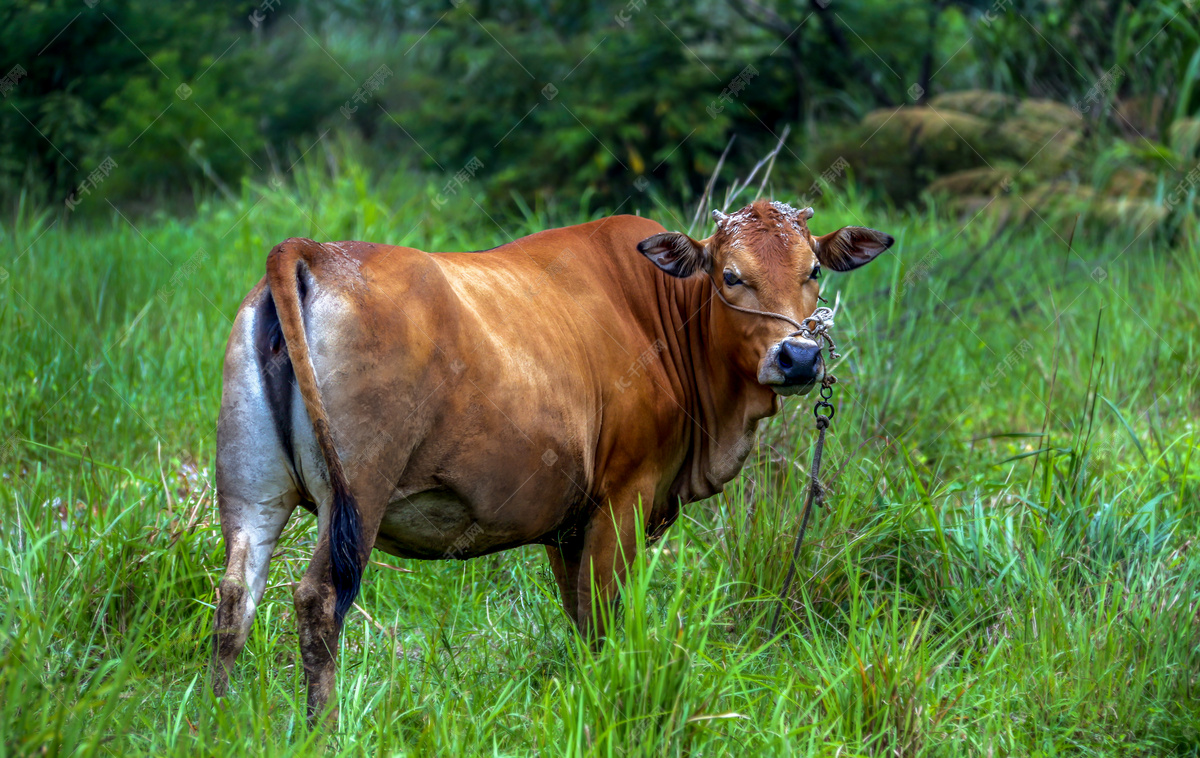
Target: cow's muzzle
{"points": [[792, 367]]}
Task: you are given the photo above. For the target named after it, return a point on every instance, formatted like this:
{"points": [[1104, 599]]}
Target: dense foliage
{"points": [[569, 99]]}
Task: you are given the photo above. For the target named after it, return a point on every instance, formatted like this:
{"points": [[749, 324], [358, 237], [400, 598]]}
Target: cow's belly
{"points": [[442, 524], [425, 524]]}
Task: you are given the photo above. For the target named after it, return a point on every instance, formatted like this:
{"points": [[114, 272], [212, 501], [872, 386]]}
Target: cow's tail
{"points": [[288, 275]]}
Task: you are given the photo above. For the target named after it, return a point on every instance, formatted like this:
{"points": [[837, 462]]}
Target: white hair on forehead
{"points": [[800, 214], [732, 223]]}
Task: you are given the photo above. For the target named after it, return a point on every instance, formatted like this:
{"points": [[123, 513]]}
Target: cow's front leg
{"points": [[564, 562], [609, 548]]}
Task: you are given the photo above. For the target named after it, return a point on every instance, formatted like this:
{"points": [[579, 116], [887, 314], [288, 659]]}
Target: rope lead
{"points": [[815, 494], [816, 328]]}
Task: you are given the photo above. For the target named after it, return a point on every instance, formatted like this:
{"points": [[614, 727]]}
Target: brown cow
{"points": [[450, 405]]}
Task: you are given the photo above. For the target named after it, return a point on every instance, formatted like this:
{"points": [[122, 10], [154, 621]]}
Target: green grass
{"points": [[1006, 564]]}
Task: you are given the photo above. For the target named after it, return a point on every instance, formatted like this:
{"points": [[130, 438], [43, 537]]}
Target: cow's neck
{"points": [[723, 406]]}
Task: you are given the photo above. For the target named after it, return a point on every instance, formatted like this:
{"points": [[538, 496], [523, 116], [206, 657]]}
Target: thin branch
{"points": [[708, 189], [737, 189]]}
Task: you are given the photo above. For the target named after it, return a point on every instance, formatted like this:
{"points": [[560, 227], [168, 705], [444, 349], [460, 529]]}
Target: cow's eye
{"points": [[731, 279], [816, 272]]}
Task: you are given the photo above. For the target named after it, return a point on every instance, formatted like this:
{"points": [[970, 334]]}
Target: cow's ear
{"points": [[851, 247], [676, 253]]}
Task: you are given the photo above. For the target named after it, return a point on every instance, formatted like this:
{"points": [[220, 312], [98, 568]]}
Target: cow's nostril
{"points": [[799, 363]]}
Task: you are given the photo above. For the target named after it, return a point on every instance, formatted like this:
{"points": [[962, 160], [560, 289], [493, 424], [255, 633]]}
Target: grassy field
{"points": [[1007, 563]]}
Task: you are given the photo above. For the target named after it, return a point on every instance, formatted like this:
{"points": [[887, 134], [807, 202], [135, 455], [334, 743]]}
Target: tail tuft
{"points": [[345, 549]]}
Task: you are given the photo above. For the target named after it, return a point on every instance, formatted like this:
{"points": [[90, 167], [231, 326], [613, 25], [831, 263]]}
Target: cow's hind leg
{"points": [[316, 617], [251, 532], [319, 630], [255, 489]]}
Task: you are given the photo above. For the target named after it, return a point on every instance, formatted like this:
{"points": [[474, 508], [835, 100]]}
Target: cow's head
{"points": [[764, 258]]}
